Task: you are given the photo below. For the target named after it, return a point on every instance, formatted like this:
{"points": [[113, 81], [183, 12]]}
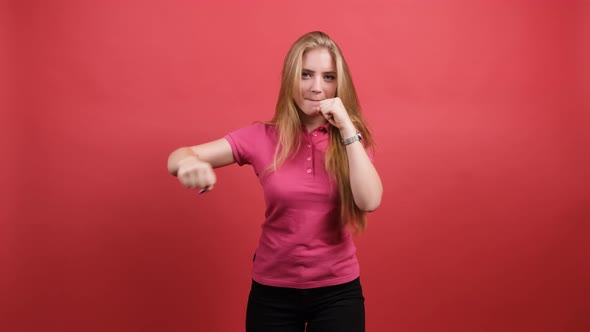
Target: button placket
{"points": [[308, 159]]}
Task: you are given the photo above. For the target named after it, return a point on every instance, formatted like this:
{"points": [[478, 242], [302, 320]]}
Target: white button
{"points": [[308, 146], [308, 170], [308, 158]]}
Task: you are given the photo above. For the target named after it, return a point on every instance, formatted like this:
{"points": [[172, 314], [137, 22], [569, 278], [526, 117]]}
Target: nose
{"points": [[316, 86]]}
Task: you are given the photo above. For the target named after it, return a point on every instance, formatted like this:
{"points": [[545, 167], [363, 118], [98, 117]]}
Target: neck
{"points": [[312, 122]]}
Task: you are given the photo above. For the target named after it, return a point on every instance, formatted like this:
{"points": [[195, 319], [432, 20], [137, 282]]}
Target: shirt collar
{"points": [[323, 128]]}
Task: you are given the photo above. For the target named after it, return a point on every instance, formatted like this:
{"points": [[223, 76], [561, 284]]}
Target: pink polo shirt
{"points": [[302, 244]]}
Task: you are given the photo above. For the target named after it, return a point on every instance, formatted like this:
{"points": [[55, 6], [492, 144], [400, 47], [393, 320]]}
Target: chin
{"points": [[309, 112]]}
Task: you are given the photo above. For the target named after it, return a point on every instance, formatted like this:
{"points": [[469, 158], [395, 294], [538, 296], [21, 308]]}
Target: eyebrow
{"points": [[326, 72]]}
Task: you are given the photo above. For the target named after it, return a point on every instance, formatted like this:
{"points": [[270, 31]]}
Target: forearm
{"points": [[217, 153], [365, 182]]}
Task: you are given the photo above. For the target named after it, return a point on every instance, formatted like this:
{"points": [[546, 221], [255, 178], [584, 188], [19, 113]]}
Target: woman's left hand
{"points": [[333, 110]]}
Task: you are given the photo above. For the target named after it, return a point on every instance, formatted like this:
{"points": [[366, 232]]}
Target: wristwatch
{"points": [[352, 139]]}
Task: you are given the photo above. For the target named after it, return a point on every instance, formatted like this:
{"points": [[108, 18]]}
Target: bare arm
{"points": [[194, 165], [365, 182]]}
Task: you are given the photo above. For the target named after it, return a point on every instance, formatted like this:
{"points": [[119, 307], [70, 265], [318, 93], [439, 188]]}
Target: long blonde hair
{"points": [[288, 123]]}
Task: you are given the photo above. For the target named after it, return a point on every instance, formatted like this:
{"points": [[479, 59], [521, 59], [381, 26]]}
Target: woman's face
{"points": [[318, 80]]}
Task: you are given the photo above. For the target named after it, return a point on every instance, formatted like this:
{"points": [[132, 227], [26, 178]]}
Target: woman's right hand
{"points": [[194, 173]]}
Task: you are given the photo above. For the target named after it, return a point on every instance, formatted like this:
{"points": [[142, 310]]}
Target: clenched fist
{"points": [[194, 173], [333, 110]]}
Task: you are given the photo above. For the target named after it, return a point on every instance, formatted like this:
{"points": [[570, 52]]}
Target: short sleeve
{"points": [[243, 142]]}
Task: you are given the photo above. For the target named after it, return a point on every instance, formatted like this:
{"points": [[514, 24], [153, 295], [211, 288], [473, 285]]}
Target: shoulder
{"points": [[255, 130], [260, 126]]}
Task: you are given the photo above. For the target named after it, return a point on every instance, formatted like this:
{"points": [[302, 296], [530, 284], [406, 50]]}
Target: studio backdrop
{"points": [[480, 111]]}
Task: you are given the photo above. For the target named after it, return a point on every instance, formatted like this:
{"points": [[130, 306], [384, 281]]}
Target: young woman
{"points": [[318, 181]]}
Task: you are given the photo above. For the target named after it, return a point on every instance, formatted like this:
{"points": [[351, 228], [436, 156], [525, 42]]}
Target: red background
{"points": [[481, 114]]}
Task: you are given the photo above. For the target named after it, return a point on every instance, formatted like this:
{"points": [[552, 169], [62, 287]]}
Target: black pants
{"points": [[339, 308]]}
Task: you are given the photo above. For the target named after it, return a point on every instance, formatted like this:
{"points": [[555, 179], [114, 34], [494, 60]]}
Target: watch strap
{"points": [[352, 139]]}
